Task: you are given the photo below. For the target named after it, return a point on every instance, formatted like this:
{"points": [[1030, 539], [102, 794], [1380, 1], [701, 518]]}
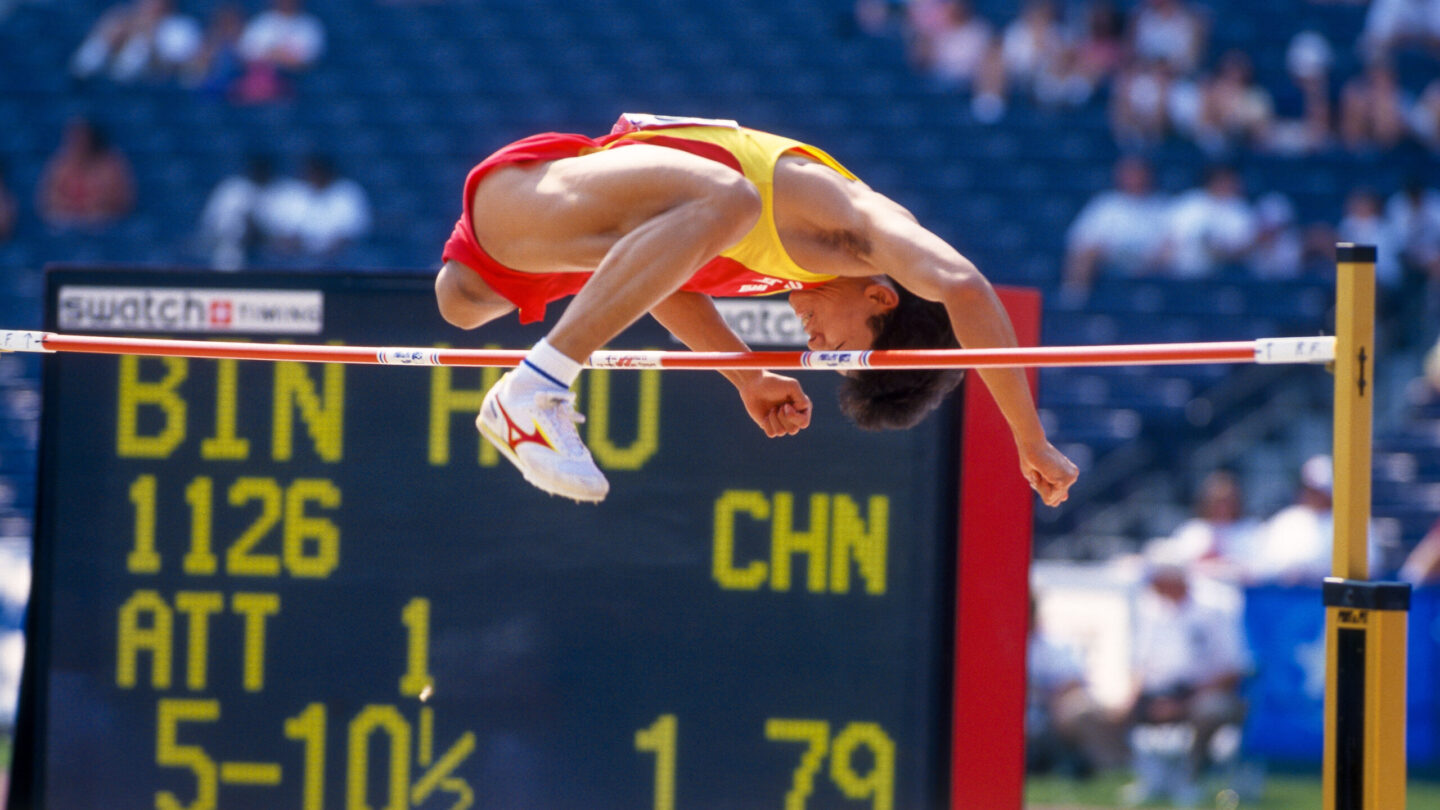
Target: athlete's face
{"points": [[836, 315]]}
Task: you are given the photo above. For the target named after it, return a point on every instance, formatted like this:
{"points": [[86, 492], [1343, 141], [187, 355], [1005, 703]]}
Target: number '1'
{"points": [[660, 738]]}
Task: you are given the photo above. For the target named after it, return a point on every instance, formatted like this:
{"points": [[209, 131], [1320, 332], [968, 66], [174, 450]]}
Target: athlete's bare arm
{"points": [[776, 403], [832, 224]]}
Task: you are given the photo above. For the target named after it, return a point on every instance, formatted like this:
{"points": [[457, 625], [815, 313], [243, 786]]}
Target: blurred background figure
{"points": [[1140, 104], [1169, 31], [240, 214], [286, 36], [1209, 227], [217, 63], [1425, 116], [1118, 231], [1234, 110], [1303, 113], [1295, 544], [1422, 566], [320, 216], [15, 557], [1412, 215], [143, 39], [1189, 660], [1364, 223], [1218, 540], [1032, 45], [1278, 250], [87, 183], [1066, 730], [9, 209], [1100, 47], [284, 41], [958, 47], [1392, 25], [1373, 109]]}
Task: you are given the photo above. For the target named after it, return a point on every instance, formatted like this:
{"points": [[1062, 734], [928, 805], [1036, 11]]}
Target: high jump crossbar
{"points": [[1263, 350]]}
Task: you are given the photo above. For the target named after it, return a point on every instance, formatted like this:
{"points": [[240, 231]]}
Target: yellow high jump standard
{"points": [[1365, 621]]}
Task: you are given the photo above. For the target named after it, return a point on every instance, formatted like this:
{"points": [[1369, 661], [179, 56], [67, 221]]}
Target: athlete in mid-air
{"points": [[662, 214]]}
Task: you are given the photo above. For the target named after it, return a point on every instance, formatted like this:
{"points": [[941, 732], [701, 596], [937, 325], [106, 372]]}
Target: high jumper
{"points": [[664, 213]]}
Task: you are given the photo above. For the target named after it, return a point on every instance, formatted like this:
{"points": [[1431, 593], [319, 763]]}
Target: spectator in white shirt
{"points": [[1393, 24], [1234, 109], [1066, 730], [1413, 217], [145, 39], [240, 214], [1374, 109], [1364, 223], [1217, 541], [1413, 214], [1189, 660], [1119, 230], [1208, 227], [322, 215], [1296, 543], [286, 37], [1033, 43], [1140, 103], [1279, 249], [1169, 31], [1425, 116]]}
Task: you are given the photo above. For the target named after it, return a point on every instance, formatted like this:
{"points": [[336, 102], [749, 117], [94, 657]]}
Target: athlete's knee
{"points": [[460, 303], [734, 204], [456, 310]]}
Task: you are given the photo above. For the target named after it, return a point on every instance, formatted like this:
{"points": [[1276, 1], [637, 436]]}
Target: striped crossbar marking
{"points": [[1264, 350]]}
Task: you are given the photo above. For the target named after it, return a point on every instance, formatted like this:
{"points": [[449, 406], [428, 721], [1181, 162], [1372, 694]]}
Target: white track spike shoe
{"points": [[537, 434]]}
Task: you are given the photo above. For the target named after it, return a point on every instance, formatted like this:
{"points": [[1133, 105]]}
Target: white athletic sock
{"points": [[545, 367]]}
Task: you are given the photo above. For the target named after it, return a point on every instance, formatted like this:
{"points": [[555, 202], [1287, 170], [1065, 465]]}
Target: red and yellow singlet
{"points": [[756, 265]]}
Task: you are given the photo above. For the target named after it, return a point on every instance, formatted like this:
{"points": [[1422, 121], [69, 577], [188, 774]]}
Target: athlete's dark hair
{"points": [[899, 399]]}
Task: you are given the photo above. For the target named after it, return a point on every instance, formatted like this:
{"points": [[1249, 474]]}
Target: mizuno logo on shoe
{"points": [[514, 436]]}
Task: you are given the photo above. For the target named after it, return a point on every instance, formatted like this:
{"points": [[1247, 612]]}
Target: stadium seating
{"points": [[409, 95]]}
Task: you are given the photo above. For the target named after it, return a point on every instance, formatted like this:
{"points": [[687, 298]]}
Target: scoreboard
{"points": [[286, 585]]}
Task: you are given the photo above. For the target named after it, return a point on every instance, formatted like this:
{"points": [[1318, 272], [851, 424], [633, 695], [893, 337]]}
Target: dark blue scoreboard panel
{"points": [[284, 585]]}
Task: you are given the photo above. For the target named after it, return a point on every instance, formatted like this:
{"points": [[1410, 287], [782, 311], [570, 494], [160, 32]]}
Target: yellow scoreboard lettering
{"points": [[152, 412], [225, 445], [198, 606], [323, 414], [256, 608], [786, 542], [158, 396], [647, 422], [866, 543], [387, 721], [731, 503], [146, 625], [837, 541], [445, 402], [169, 753]]}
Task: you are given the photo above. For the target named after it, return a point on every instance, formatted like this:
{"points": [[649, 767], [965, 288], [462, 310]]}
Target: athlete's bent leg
{"points": [[465, 300], [643, 219]]}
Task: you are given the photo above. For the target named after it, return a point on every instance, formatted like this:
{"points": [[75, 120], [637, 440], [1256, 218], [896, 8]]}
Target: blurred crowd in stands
{"points": [[1132, 231], [1149, 65], [256, 215], [1153, 63], [1150, 62], [1183, 717], [246, 61]]}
